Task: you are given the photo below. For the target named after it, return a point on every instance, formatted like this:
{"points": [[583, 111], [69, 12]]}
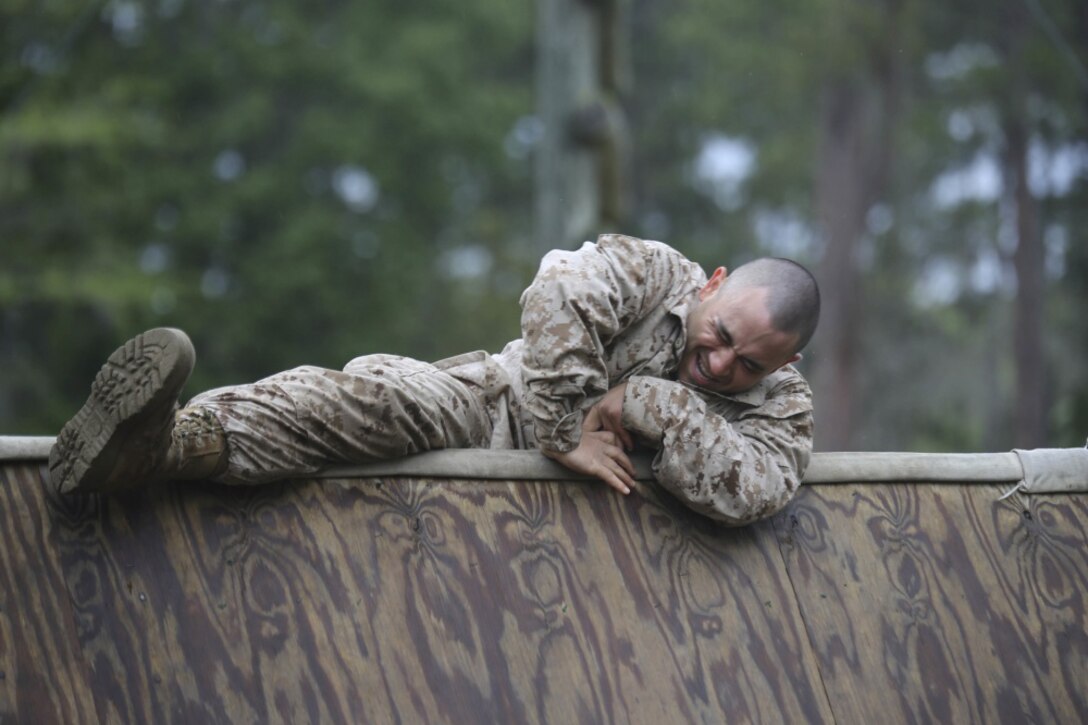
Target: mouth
{"points": [[702, 375]]}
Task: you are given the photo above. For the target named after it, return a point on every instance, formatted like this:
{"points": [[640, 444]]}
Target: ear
{"points": [[795, 358], [714, 283]]}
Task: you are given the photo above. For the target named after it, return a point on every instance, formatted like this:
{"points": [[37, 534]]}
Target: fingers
{"points": [[615, 482], [616, 470], [611, 457], [625, 463], [623, 436], [606, 436], [616, 478], [597, 419], [600, 455]]}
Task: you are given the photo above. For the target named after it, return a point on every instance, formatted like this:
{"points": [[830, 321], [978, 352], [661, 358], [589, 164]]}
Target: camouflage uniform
{"points": [[611, 312]]}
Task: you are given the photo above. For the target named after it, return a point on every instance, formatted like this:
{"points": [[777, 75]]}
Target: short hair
{"points": [[793, 296]]}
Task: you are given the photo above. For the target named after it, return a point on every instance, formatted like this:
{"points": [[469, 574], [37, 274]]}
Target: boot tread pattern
{"points": [[143, 372]]}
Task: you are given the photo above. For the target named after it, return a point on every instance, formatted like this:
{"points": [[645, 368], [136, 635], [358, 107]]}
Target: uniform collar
{"points": [[681, 306], [757, 396]]}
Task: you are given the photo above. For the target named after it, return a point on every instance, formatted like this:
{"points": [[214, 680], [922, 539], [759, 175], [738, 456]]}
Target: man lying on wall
{"points": [[624, 342]]}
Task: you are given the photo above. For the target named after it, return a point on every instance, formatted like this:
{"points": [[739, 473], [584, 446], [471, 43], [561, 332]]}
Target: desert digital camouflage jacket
{"points": [[616, 311]]}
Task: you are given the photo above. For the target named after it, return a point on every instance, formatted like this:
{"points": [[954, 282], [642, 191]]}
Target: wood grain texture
{"points": [[470, 601], [941, 604], [42, 671], [409, 601]]}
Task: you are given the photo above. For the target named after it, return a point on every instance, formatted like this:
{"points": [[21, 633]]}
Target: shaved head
{"points": [[793, 298]]}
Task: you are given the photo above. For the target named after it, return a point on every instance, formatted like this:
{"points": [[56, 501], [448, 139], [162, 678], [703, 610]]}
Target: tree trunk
{"points": [[567, 73], [1030, 425], [854, 163], [840, 204], [582, 157], [1030, 412]]}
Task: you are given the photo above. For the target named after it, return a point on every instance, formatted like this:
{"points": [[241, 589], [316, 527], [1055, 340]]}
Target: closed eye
{"points": [[751, 366], [727, 339], [723, 334]]}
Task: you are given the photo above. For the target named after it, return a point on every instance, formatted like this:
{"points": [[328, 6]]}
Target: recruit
{"points": [[625, 344]]}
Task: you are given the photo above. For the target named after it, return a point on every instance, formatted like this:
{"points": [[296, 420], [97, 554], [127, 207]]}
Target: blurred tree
{"points": [[903, 206], [303, 182], [1031, 403], [858, 115], [284, 180]]}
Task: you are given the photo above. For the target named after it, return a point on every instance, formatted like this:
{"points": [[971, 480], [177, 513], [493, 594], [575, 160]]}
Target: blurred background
{"points": [[303, 182]]}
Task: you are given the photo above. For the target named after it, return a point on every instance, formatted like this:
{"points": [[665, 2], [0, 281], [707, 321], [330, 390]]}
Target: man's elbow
{"points": [[747, 503], [734, 516]]}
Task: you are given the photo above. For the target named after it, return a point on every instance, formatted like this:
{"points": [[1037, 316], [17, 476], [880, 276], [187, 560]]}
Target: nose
{"points": [[719, 361]]}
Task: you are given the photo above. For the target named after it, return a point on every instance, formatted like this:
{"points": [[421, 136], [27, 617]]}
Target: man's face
{"points": [[732, 344]]}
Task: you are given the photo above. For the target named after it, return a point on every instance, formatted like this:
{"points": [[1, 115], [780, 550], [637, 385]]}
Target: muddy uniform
{"points": [[611, 312]]}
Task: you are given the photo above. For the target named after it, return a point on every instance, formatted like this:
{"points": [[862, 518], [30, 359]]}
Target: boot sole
{"points": [[145, 373]]}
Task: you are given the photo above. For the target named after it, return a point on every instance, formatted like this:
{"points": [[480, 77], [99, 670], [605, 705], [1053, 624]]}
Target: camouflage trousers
{"points": [[378, 407]]}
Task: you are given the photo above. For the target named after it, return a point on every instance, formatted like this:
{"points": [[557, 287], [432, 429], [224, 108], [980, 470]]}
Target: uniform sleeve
{"points": [[576, 305], [735, 472]]}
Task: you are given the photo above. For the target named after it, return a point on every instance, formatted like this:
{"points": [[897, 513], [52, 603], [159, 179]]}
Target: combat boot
{"points": [[129, 432]]}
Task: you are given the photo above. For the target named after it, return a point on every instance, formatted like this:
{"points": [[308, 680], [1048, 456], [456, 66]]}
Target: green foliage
{"points": [[273, 177], [305, 182], [935, 368]]}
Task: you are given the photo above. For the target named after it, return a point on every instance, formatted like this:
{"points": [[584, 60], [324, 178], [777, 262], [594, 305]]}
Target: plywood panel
{"points": [[42, 674], [452, 601], [941, 604], [462, 601]]}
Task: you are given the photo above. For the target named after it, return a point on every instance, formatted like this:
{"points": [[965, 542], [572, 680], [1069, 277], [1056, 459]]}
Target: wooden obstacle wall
{"points": [[469, 601]]}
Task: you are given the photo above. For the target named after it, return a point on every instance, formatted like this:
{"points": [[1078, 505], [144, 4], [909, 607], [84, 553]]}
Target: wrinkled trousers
{"points": [[378, 407]]}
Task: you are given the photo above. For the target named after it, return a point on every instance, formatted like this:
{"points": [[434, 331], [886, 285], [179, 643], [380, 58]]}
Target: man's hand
{"points": [[607, 414], [599, 455], [601, 451]]}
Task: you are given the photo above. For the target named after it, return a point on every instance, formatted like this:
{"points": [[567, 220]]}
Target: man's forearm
{"points": [[734, 472]]}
